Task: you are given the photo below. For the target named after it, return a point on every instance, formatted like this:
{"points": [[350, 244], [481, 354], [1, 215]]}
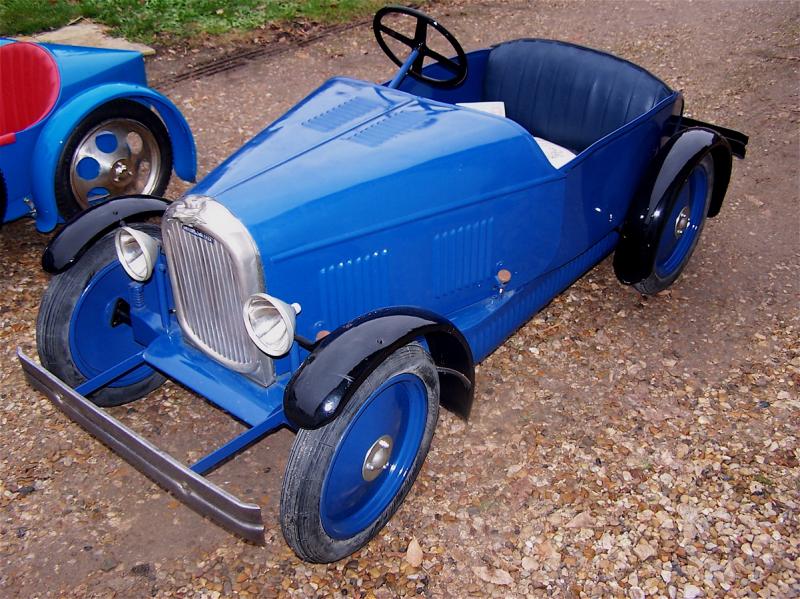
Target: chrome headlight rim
{"points": [[137, 252], [270, 323]]}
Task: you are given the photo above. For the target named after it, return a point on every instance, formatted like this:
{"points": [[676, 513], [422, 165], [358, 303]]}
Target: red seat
{"points": [[29, 86]]}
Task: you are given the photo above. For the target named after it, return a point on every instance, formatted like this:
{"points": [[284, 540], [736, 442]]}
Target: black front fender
{"points": [[635, 253], [90, 225], [340, 362]]}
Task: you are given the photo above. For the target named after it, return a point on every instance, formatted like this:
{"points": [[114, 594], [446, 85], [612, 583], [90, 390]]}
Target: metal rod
{"points": [[305, 342], [274, 421], [105, 377], [401, 74], [161, 274]]}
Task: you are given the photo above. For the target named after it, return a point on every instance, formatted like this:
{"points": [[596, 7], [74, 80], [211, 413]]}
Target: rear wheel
{"points": [[120, 148], [79, 333], [686, 216], [345, 480]]}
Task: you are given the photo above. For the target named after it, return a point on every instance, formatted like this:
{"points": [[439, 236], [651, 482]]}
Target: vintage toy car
{"points": [[77, 126], [344, 270]]}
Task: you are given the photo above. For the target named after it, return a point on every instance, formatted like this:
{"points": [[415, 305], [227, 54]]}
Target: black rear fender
{"points": [[666, 174]]}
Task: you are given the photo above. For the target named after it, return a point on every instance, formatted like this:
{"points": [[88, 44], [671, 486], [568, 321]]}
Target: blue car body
{"points": [[89, 78], [392, 215], [475, 197]]}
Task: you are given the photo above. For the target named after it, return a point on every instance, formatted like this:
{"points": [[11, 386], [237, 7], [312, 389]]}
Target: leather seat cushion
{"points": [[567, 94], [30, 85]]}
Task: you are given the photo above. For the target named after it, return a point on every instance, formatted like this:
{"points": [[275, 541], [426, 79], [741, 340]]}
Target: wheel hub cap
{"points": [[682, 222], [120, 172], [377, 458]]}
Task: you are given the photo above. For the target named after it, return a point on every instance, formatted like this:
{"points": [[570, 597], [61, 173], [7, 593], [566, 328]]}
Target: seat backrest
{"points": [[567, 94], [29, 85]]}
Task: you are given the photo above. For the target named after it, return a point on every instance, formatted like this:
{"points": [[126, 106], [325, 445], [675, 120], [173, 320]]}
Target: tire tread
{"points": [[55, 314], [302, 487]]}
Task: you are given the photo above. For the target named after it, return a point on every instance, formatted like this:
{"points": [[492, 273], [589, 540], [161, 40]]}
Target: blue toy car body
{"points": [[411, 236], [62, 104]]}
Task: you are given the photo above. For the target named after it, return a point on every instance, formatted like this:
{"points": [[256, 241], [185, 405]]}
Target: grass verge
{"points": [[150, 20]]}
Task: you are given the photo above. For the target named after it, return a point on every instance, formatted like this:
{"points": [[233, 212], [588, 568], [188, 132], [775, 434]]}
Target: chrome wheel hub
{"points": [[120, 172], [682, 222], [377, 458], [118, 156]]}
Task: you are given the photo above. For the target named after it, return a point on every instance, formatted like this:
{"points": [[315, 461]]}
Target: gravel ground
{"points": [[619, 446]]}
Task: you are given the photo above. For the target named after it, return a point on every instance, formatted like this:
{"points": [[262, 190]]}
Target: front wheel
{"points": [[345, 480], [686, 216], [78, 332]]}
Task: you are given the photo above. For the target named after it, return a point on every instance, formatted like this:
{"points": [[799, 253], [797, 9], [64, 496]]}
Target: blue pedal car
{"points": [[343, 272], [78, 125]]}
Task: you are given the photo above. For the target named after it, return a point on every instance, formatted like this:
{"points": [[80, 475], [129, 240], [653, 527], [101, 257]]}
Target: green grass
{"points": [[148, 20]]}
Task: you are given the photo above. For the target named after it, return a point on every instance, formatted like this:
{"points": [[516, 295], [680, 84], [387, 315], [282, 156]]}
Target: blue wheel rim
{"points": [[94, 344], [682, 225], [349, 503]]}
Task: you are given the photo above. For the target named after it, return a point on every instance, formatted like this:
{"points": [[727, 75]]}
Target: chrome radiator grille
{"points": [[214, 267]]}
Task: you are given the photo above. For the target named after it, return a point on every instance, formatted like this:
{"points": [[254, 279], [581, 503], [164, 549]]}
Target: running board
{"points": [[203, 496]]}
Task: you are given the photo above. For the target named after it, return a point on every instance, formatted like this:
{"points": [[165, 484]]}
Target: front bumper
{"points": [[206, 498]]}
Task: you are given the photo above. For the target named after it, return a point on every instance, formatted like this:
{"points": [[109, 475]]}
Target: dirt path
{"points": [[619, 446]]}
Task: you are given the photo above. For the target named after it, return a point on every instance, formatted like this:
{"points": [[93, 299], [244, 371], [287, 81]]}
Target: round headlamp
{"points": [[270, 323], [137, 252]]}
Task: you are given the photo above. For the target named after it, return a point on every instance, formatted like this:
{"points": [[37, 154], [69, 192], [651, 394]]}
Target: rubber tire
{"points": [[654, 283], [312, 453], [55, 313], [117, 109]]}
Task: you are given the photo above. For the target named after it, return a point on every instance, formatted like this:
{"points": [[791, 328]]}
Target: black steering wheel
{"points": [[457, 66]]}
